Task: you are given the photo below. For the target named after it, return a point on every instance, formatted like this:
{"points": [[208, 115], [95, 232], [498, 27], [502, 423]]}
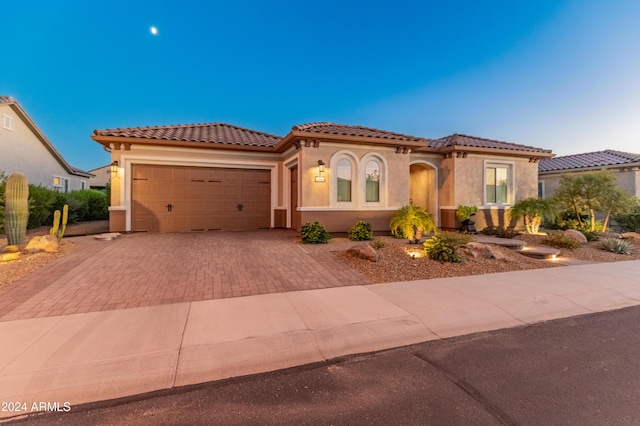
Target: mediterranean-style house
{"points": [[27, 150], [217, 176], [625, 166]]}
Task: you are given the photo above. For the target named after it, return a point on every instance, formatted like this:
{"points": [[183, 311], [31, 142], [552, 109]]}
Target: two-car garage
{"points": [[168, 198]]}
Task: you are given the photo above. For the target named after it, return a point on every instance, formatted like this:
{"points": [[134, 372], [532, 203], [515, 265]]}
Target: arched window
{"points": [[372, 176], [344, 175]]}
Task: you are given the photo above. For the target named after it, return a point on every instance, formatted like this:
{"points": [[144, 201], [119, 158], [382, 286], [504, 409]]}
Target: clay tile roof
{"points": [[7, 100], [590, 159], [346, 130], [219, 133], [457, 140]]}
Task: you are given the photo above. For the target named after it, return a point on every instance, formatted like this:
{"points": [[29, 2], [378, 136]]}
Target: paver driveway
{"points": [[153, 269]]}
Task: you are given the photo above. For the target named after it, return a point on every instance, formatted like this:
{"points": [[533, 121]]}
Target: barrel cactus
{"points": [[16, 208]]}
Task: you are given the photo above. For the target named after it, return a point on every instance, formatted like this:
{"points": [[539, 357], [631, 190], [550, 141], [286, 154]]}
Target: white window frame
{"points": [[7, 122], [333, 164], [510, 166], [541, 189], [83, 184], [382, 187], [61, 186]]}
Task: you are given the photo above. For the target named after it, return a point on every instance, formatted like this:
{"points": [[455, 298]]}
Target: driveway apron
{"points": [[155, 269]]}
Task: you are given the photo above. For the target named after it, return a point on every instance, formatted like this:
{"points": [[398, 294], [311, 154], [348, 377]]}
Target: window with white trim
{"points": [[344, 180], [540, 189], [7, 122], [83, 184], [372, 181], [497, 182], [61, 184]]}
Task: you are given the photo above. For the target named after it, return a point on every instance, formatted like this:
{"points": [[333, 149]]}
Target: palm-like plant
{"points": [[412, 221], [533, 210]]}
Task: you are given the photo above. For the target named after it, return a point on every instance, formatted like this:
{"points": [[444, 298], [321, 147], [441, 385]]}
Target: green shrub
{"points": [[42, 203], [559, 240], [94, 204], [442, 247], [616, 245], [314, 233], [630, 221], [465, 212], [3, 179], [377, 244], [591, 236], [500, 232], [361, 231], [458, 239]]}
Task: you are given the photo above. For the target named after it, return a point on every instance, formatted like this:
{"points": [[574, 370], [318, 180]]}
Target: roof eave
{"points": [[590, 168], [296, 135], [43, 139], [496, 151], [108, 141]]}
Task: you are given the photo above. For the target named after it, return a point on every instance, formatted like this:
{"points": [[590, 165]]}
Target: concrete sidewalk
{"points": [[104, 355]]}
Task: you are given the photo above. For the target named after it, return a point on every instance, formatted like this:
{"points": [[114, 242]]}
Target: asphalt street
{"points": [[576, 371]]}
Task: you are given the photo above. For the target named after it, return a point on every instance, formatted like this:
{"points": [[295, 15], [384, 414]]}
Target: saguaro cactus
{"points": [[58, 228], [16, 208]]}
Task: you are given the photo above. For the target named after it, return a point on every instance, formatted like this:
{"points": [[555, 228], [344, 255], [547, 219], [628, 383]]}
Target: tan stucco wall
{"points": [[469, 178], [318, 194], [21, 151], [627, 178], [342, 221]]}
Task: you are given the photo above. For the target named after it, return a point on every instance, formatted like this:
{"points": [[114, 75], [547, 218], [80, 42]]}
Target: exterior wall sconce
{"points": [[114, 168], [320, 178]]}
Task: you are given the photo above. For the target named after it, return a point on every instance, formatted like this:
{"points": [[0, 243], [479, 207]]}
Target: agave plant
{"points": [[412, 221], [616, 245]]}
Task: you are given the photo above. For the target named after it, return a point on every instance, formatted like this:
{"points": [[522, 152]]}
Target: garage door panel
{"points": [[201, 198]]}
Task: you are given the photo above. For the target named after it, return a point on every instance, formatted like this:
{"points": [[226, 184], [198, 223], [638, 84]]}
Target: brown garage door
{"points": [[181, 199]]}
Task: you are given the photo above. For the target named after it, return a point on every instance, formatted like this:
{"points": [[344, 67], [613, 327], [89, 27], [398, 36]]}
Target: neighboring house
{"points": [[222, 177], [27, 150], [625, 166], [101, 177]]}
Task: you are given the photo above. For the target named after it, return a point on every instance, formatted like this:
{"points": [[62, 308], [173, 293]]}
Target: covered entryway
{"points": [[183, 199], [423, 187]]}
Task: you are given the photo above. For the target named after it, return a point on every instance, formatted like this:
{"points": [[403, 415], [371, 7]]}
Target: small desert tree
{"points": [[412, 221], [533, 211], [591, 192]]}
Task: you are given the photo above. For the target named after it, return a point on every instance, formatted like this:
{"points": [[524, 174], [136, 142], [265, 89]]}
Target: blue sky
{"points": [[563, 75]]}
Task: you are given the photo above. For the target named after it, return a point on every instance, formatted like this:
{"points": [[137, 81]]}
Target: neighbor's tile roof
{"points": [[604, 158], [220, 133], [7, 100], [457, 140], [346, 130]]}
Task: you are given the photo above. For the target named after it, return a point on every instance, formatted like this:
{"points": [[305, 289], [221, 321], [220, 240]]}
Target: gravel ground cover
{"points": [[397, 264], [27, 263]]}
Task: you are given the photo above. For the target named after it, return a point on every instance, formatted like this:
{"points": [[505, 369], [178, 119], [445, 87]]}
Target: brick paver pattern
{"points": [[154, 269]]}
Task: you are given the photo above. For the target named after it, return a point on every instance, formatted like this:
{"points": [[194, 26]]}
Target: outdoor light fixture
{"points": [[320, 176], [114, 168]]}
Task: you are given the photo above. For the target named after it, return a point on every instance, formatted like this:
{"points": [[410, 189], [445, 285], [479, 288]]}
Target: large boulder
{"points": [[46, 243], [576, 235], [364, 251], [631, 236], [484, 251], [6, 257]]}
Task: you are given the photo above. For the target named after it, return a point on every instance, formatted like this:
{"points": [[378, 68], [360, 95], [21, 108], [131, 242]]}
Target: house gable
{"points": [[26, 149]]}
